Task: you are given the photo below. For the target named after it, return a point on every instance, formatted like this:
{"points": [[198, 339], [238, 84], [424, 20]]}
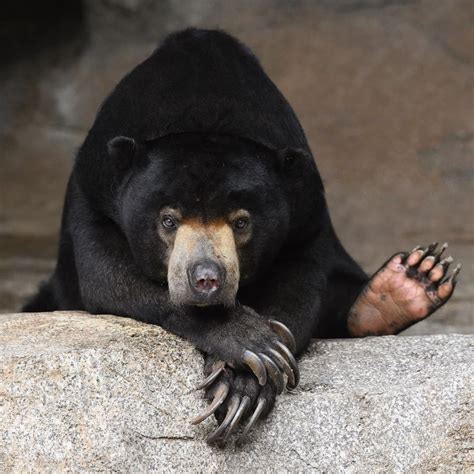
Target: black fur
{"points": [[201, 124]]}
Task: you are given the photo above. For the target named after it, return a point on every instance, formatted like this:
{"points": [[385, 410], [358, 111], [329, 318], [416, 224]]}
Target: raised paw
{"points": [[237, 395], [408, 288]]}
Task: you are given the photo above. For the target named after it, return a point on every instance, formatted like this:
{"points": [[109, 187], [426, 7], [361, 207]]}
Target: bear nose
{"points": [[206, 277]]}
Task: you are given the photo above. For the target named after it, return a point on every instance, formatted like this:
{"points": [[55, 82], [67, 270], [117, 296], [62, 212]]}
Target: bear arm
{"points": [[111, 282]]}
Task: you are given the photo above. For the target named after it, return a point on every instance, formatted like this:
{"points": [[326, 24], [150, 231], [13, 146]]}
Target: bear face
{"points": [[204, 214]]}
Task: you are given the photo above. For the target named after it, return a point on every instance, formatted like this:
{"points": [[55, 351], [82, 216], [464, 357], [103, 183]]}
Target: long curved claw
{"points": [[452, 278], [238, 415], [218, 367], [292, 361], [219, 397], [437, 255], [255, 416], [256, 366], [233, 407], [284, 333], [274, 372], [285, 366], [446, 260], [445, 263]]}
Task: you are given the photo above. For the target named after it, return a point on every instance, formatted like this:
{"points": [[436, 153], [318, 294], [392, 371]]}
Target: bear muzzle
{"points": [[203, 267]]}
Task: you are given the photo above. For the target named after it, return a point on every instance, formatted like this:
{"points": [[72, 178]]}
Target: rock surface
{"points": [[103, 393]]}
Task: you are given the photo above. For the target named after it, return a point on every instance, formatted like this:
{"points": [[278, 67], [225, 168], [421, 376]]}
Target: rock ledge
{"points": [[94, 393]]}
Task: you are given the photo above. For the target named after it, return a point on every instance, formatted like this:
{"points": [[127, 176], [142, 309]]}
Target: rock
{"points": [[103, 393]]}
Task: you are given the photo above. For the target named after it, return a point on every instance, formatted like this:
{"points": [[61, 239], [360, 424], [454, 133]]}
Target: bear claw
{"points": [[292, 361], [271, 364], [286, 367], [231, 411], [217, 370], [437, 255], [253, 419], [430, 268], [452, 278], [256, 366], [235, 421], [219, 397], [274, 372], [284, 333]]}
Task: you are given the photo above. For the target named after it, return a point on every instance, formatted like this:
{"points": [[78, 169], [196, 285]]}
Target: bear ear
{"points": [[122, 149], [288, 158]]}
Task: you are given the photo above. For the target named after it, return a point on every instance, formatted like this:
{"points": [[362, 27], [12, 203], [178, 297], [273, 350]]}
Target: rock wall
{"points": [[89, 393], [382, 88]]}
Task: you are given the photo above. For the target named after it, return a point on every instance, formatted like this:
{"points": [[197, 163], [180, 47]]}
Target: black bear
{"points": [[195, 204]]}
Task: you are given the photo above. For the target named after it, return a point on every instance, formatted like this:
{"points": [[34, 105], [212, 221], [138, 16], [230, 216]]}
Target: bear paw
{"points": [[237, 395], [407, 289]]}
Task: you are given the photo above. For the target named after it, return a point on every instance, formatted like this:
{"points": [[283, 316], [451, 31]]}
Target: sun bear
{"points": [[195, 204]]}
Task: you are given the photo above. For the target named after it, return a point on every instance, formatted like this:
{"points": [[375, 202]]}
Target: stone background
{"points": [[382, 87]]}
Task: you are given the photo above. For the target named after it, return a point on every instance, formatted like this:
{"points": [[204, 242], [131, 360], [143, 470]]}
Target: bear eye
{"points": [[241, 223], [168, 222]]}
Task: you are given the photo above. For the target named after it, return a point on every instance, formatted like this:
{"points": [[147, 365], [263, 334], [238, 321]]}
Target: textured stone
{"points": [[103, 393]]}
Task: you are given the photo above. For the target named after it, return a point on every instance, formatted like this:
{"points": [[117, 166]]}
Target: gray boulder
{"points": [[103, 393]]}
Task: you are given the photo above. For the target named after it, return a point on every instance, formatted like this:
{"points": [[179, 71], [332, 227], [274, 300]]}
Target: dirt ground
{"points": [[384, 90]]}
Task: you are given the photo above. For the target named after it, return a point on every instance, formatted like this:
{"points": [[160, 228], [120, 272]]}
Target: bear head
{"points": [[206, 214]]}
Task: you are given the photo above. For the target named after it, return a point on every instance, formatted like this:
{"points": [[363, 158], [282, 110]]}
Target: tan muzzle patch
{"points": [[197, 242]]}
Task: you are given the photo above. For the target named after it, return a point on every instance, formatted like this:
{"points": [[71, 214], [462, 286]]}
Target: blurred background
{"points": [[383, 88]]}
